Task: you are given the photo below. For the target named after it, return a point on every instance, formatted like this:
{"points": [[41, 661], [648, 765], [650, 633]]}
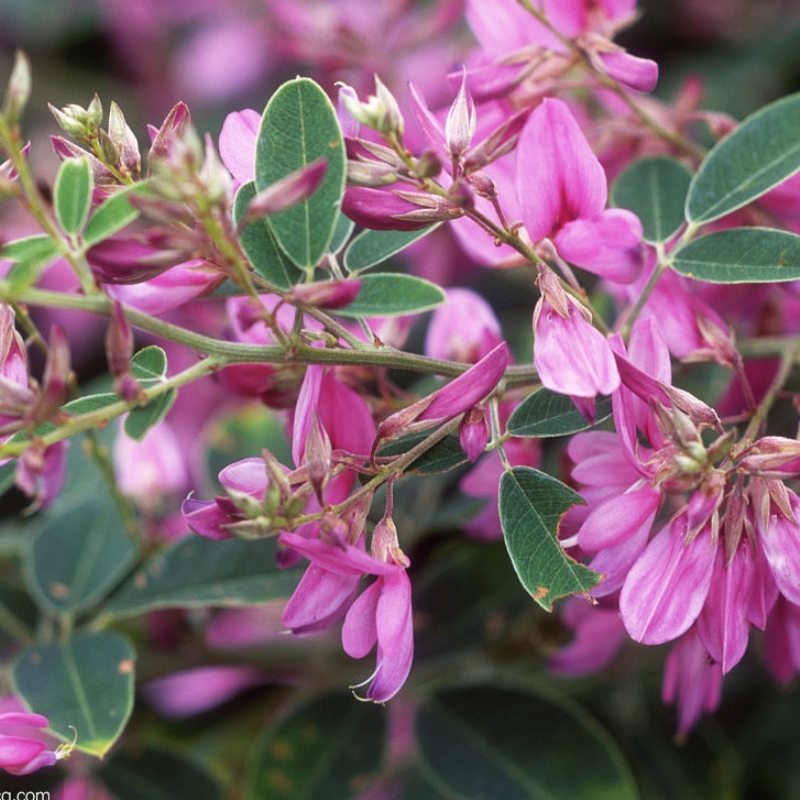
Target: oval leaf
{"points": [[531, 507], [198, 572], [260, 246], [485, 741], [80, 554], [741, 255], [72, 194], [546, 413], [140, 420], [655, 189], [85, 683], [151, 774], [392, 294], [149, 364], [372, 247], [299, 126], [111, 216], [758, 155], [326, 750]]}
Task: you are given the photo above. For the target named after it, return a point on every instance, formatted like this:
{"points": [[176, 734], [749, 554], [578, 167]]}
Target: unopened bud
{"points": [[385, 546], [459, 127], [119, 342], [317, 455], [172, 129], [380, 112], [130, 160], [18, 90], [80, 123], [287, 192], [473, 432], [325, 294]]}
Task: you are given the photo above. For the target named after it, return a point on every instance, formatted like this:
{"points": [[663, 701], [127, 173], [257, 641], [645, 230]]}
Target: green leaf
{"points": [[260, 246], [485, 741], [299, 126], [741, 255], [39, 248], [111, 216], [392, 294], [655, 190], [80, 554], [140, 420], [326, 750], [197, 572], [531, 507], [31, 256], [546, 413], [83, 683], [90, 403], [153, 774], [72, 194], [341, 233], [149, 364], [18, 613], [372, 247], [760, 153], [8, 473], [442, 457]]}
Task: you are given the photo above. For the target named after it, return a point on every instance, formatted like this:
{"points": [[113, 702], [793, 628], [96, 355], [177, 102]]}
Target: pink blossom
{"points": [[381, 614], [571, 357], [237, 144], [668, 585], [20, 754], [562, 192], [781, 541], [692, 680], [184, 694], [464, 328]]}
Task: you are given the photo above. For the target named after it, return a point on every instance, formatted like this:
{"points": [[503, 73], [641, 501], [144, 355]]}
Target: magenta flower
{"points": [[668, 585], [464, 328], [381, 615], [454, 398], [245, 483], [571, 357], [691, 680], [19, 754], [562, 192]]}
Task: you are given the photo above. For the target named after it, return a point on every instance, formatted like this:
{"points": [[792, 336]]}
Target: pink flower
{"points": [[464, 328], [571, 357], [562, 192], [692, 680], [380, 615], [19, 754], [669, 583]]}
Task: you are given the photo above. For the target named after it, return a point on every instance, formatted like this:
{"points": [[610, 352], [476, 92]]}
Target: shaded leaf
{"points": [[326, 750], [111, 216], [197, 572], [442, 457], [485, 741], [531, 507], [655, 190], [392, 294], [760, 153], [83, 683], [546, 413], [141, 419], [80, 554], [741, 255], [152, 774], [260, 246], [372, 247], [299, 126], [72, 194]]}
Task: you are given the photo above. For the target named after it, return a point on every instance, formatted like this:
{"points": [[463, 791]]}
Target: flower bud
{"points": [[18, 90], [119, 132], [287, 192], [459, 127], [80, 123], [317, 455], [473, 432], [380, 112], [325, 294]]}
